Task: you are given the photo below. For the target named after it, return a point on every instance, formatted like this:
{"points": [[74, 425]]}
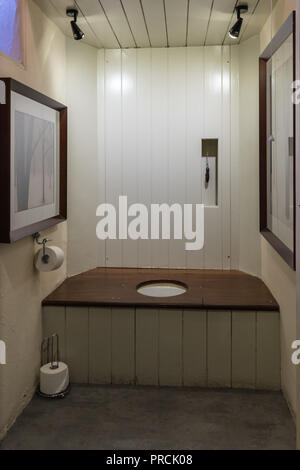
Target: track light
{"points": [[236, 28], [77, 33]]}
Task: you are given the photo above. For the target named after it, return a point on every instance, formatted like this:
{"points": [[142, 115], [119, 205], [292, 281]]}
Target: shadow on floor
{"points": [[126, 418]]}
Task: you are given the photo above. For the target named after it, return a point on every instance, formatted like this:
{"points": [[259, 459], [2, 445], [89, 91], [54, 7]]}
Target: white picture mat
{"points": [[26, 105], [281, 127]]}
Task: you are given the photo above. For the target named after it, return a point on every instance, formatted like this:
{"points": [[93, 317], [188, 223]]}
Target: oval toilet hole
{"points": [[162, 288]]}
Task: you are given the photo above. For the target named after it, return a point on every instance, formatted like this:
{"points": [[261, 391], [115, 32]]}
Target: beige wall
{"points": [[21, 287], [280, 13], [281, 280], [249, 257], [83, 166], [276, 274]]}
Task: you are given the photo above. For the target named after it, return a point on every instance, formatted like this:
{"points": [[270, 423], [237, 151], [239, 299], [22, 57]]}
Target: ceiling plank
{"points": [[60, 7], [137, 23], [96, 18], [176, 17], [252, 4], [157, 23], [219, 21], [155, 20], [199, 14], [117, 18], [258, 19]]}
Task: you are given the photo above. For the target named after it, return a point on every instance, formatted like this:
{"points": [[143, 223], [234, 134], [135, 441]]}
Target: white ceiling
{"points": [[157, 23]]}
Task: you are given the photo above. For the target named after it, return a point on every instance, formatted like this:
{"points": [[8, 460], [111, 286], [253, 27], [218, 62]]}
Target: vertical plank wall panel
{"points": [[101, 162], [113, 143], [129, 146], [144, 57], [219, 348], [159, 104], [243, 349], [100, 345], [147, 323], [268, 351], [177, 146], [194, 348], [77, 339], [234, 159], [225, 158], [159, 147], [194, 129], [213, 91], [213, 129], [54, 322], [123, 349], [170, 347]]}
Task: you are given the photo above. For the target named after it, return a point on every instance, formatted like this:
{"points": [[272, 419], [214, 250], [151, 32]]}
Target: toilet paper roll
{"points": [[53, 381], [54, 261]]}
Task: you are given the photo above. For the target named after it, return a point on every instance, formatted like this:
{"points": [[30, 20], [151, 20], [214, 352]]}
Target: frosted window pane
{"points": [[10, 28]]}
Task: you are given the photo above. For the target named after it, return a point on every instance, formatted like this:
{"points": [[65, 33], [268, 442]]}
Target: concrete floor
{"points": [[126, 418]]}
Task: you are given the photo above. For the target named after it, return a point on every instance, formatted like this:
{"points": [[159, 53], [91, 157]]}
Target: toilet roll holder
{"points": [[50, 355], [36, 236]]}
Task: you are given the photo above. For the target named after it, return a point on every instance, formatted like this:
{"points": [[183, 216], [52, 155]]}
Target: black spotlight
{"points": [[77, 33], [236, 28]]}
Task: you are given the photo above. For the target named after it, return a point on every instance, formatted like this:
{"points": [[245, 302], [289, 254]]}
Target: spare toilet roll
{"points": [[55, 259], [53, 381]]}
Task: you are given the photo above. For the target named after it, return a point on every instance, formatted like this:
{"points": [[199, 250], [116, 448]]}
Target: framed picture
{"points": [[33, 176], [278, 143]]}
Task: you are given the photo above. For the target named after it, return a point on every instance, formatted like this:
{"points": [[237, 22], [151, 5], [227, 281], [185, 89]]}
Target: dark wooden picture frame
{"points": [[288, 28], [7, 233]]}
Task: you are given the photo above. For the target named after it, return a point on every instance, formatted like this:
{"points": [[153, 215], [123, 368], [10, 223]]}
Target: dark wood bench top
{"points": [[232, 290]]}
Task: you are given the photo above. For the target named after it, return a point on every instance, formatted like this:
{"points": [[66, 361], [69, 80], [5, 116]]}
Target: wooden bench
{"points": [[223, 332]]}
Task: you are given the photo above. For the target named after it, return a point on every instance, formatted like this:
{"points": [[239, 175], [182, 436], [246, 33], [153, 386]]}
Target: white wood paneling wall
{"points": [[155, 106]]}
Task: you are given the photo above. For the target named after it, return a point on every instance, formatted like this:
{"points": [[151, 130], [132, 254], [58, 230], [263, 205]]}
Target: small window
{"points": [[11, 29]]}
